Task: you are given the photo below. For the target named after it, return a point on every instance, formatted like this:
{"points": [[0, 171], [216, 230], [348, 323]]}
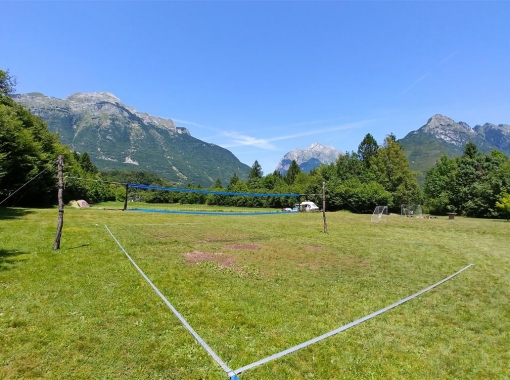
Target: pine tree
{"points": [[256, 171], [391, 167], [293, 171], [367, 149], [233, 182], [217, 184]]}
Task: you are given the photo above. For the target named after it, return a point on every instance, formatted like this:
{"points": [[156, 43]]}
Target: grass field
{"points": [[251, 286]]}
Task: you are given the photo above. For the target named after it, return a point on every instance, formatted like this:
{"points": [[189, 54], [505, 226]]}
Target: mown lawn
{"points": [[251, 286]]}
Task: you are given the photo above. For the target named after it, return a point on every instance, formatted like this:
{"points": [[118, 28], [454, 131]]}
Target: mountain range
{"points": [[309, 158], [117, 136], [442, 135]]}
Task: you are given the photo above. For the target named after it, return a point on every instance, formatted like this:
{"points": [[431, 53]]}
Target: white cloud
{"points": [[442, 62], [416, 82], [245, 140]]}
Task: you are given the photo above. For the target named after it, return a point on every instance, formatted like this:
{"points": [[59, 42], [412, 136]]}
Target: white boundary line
{"points": [[345, 327], [209, 350], [232, 374]]}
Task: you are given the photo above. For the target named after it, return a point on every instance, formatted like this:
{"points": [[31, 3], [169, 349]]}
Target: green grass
{"points": [[251, 286]]}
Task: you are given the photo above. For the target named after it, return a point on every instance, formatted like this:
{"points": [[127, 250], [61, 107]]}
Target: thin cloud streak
{"points": [[452, 54], [416, 82], [244, 140], [440, 63], [186, 122]]}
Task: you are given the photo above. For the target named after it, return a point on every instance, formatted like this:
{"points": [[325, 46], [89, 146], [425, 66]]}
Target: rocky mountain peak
{"points": [[496, 135], [94, 97], [446, 129], [438, 120], [309, 158]]}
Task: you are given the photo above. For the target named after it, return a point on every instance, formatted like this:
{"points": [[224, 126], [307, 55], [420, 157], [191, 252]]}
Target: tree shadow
{"points": [[76, 247], [13, 213], [7, 259]]}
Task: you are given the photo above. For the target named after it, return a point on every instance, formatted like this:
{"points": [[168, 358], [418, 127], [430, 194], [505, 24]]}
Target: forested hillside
{"points": [[28, 154], [475, 184]]}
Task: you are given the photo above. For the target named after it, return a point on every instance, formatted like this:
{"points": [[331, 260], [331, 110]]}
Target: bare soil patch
{"points": [[312, 266], [222, 260], [242, 246], [216, 240]]}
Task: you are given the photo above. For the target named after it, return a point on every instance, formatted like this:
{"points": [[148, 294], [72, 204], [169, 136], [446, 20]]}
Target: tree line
{"points": [[28, 155], [474, 184]]}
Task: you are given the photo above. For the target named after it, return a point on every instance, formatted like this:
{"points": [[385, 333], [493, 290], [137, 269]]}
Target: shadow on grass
{"points": [[76, 247], [13, 213], [8, 260]]}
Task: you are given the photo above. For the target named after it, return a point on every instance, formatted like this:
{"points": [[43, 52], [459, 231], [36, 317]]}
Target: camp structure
{"points": [[78, 204], [82, 203]]}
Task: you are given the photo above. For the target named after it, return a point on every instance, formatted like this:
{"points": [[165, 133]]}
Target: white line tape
{"points": [[177, 314], [345, 327]]}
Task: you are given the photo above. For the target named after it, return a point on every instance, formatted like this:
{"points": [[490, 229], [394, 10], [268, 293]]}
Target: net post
{"points": [[56, 243], [324, 207], [126, 199]]}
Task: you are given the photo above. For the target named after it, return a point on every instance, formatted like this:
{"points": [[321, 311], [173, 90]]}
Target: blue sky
{"points": [[261, 78]]}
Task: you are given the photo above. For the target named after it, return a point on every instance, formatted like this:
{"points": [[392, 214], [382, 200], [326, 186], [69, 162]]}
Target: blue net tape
{"points": [[199, 191]]}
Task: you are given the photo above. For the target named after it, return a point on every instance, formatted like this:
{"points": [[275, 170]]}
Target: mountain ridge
{"points": [[442, 135], [308, 158], [117, 136]]}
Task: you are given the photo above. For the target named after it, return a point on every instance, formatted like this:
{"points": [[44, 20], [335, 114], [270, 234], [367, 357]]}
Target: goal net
{"points": [[411, 210], [380, 214]]}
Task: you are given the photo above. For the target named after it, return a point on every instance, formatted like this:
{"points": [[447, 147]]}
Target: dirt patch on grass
{"points": [[242, 246], [216, 240], [222, 260], [354, 262], [314, 248], [311, 266]]}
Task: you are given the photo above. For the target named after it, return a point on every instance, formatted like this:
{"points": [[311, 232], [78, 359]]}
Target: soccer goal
{"points": [[380, 214], [411, 210]]}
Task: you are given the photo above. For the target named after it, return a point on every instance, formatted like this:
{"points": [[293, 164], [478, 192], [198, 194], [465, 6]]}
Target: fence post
{"points": [[324, 207], [56, 243]]}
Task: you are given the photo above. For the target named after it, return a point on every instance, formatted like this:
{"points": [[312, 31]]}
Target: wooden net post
{"points": [[126, 199], [56, 243], [324, 207]]}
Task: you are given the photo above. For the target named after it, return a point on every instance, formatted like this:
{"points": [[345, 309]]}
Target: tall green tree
{"points": [[293, 171], [470, 184], [87, 164], [255, 171], [233, 182], [7, 83], [349, 165], [217, 184], [367, 149], [478, 182], [255, 176], [503, 204], [439, 186], [391, 168]]}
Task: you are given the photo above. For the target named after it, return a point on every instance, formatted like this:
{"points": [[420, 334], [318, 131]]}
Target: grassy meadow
{"points": [[251, 286]]}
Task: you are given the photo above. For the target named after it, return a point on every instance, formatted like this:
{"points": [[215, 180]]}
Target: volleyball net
{"points": [[188, 200]]}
